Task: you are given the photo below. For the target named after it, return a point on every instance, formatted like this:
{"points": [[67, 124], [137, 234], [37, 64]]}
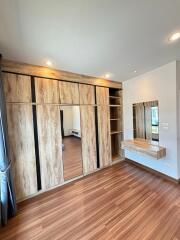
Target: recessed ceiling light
{"points": [[48, 63], [135, 71], [174, 37], [107, 75]]}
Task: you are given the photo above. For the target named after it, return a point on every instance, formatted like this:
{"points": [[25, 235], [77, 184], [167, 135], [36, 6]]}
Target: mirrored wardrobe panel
{"points": [[71, 140]]}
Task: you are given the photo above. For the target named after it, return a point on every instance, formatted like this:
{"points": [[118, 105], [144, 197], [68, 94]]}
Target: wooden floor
{"points": [[72, 157], [121, 202]]}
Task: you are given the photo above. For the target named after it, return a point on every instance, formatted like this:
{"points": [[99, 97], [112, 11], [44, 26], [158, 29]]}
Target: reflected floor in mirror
{"points": [[72, 157]]}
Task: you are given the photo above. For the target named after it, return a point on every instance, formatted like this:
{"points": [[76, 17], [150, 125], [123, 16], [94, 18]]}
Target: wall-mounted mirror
{"points": [[71, 140], [146, 120]]}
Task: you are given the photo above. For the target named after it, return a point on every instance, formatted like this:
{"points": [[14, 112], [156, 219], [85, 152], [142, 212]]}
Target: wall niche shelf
{"points": [[117, 152], [115, 105], [144, 147]]}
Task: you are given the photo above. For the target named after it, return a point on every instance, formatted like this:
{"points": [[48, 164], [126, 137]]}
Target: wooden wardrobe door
{"points": [[88, 134], [22, 149], [102, 96], [50, 145], [47, 90], [104, 136], [102, 100], [17, 87], [87, 94], [69, 92]]}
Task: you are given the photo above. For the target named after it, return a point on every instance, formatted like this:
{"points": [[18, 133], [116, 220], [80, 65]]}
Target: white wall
{"points": [[159, 84], [71, 119], [76, 118], [68, 119]]}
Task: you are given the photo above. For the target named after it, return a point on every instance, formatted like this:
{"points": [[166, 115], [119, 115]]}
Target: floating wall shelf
{"points": [[145, 147]]}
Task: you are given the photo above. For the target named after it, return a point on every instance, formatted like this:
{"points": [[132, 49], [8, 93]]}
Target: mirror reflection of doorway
{"points": [[71, 140]]}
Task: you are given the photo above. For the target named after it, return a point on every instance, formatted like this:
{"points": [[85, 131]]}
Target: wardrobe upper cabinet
{"points": [[46, 90], [102, 96], [87, 94], [17, 87], [69, 92]]}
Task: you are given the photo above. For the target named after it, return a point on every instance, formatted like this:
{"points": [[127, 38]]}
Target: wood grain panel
{"points": [[102, 96], [104, 136], [50, 145], [69, 92], [122, 202], [39, 71], [139, 118], [86, 94], [148, 120], [47, 91], [22, 150], [88, 134], [17, 88]]}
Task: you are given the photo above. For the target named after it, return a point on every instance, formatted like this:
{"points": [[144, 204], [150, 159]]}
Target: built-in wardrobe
{"points": [[34, 104]]}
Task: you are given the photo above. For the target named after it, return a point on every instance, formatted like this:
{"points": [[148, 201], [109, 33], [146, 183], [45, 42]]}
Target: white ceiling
{"points": [[91, 36]]}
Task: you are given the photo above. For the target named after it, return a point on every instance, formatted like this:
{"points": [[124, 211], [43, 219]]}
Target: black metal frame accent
{"points": [[38, 169], [33, 93], [96, 127]]}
